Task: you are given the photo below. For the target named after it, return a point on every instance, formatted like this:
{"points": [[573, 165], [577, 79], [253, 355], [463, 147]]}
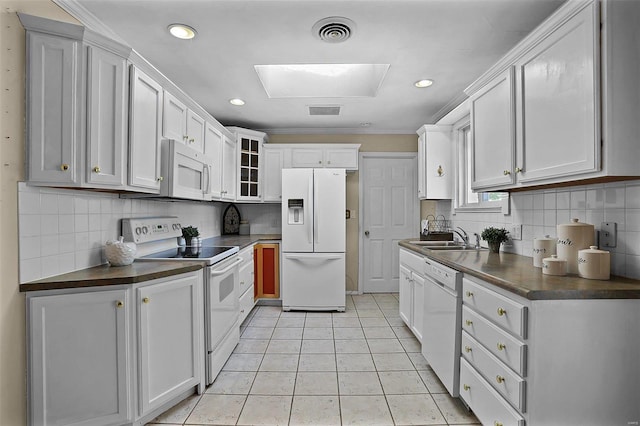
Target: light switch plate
{"points": [[608, 234], [516, 232]]}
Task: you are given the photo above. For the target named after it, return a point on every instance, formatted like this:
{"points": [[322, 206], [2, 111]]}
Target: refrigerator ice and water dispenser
{"points": [[296, 211]]}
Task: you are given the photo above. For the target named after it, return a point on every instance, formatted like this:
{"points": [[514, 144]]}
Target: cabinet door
{"points": [[438, 170], [229, 170], [145, 129], [106, 118], [417, 306], [267, 259], [169, 339], [559, 107], [272, 175], [53, 92], [249, 153], [493, 133], [405, 295], [174, 118], [422, 164], [195, 131], [343, 158], [307, 157], [213, 142], [79, 342]]}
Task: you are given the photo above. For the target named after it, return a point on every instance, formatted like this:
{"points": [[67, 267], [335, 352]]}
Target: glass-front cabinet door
{"points": [[249, 145]]}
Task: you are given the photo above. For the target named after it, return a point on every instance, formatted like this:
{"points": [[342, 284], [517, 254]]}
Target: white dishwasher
{"points": [[442, 328]]}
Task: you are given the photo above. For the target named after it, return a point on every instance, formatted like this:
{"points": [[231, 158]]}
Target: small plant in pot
{"points": [[494, 237], [191, 235]]}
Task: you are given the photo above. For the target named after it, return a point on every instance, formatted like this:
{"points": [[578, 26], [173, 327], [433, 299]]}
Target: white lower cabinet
{"points": [[412, 280], [79, 358], [116, 356], [246, 279]]}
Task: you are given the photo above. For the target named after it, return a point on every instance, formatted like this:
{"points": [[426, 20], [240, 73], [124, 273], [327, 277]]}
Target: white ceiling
{"points": [[449, 41]]}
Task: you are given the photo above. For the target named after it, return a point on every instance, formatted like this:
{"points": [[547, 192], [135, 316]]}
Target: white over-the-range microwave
{"points": [[186, 172]]}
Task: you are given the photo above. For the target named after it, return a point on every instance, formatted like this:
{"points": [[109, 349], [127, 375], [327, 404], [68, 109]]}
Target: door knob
{"points": [[366, 233]]}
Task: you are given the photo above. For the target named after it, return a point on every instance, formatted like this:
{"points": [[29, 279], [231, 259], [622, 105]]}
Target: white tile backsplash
{"points": [[612, 202], [62, 230]]}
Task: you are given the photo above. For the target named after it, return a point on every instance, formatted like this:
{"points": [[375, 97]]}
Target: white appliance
{"points": [[157, 240], [441, 330], [186, 173], [313, 239]]}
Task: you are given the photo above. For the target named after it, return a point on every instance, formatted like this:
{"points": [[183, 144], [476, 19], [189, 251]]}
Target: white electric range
{"points": [[157, 239]]}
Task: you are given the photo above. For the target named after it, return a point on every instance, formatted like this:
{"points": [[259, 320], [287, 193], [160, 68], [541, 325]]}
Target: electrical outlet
{"points": [[608, 234], [516, 232]]}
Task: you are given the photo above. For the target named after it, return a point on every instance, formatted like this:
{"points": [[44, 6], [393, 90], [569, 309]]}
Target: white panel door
{"points": [[229, 171], [195, 131], [297, 223], [272, 174], [389, 214], [174, 118], [213, 143], [329, 230]]}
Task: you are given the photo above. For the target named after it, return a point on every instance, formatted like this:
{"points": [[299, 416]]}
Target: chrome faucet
{"points": [[477, 240], [463, 234]]}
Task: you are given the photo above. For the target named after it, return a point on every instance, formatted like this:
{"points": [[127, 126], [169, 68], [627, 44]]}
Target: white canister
{"points": [[594, 264], [554, 266], [119, 253], [543, 247], [573, 237]]}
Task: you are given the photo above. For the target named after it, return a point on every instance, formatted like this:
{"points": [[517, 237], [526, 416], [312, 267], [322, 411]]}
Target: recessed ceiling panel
{"points": [[322, 80]]}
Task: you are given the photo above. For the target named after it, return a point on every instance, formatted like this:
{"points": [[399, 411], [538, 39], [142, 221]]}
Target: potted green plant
{"points": [[190, 234], [494, 237]]}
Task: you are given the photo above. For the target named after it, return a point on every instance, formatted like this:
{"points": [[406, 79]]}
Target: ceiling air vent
{"points": [[334, 29], [324, 110]]}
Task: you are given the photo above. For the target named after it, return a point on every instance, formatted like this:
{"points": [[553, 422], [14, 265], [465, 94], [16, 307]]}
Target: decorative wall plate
{"points": [[231, 220]]}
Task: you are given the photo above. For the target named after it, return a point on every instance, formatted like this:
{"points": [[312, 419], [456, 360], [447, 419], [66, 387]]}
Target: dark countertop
{"points": [[105, 275], [241, 241], [517, 274]]}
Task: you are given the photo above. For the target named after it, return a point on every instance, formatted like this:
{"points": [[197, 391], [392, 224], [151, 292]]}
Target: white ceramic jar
{"points": [[543, 247], [119, 253], [594, 264], [554, 266], [573, 237]]}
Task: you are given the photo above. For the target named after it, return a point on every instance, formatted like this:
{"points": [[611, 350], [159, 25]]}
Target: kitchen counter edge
{"points": [[242, 241], [516, 273]]}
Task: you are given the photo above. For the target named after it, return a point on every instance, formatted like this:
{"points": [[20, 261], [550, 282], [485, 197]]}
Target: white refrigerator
{"points": [[313, 239]]}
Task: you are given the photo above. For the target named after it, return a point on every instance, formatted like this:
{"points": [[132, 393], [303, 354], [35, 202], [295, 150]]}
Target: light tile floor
{"points": [[359, 367]]}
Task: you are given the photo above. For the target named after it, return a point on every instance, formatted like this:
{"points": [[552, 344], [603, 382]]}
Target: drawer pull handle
{"points": [[501, 346], [502, 312], [64, 167], [96, 169], [119, 304], [146, 300], [469, 322], [469, 294], [467, 349], [499, 379], [466, 387], [496, 423]]}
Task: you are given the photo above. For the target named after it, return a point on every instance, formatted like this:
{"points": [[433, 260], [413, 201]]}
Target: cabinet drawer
{"points": [[505, 381], [486, 403], [246, 304], [412, 261], [507, 313], [245, 276], [246, 254], [505, 347]]}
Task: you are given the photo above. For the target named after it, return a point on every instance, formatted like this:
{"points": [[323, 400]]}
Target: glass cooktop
{"points": [[218, 253]]}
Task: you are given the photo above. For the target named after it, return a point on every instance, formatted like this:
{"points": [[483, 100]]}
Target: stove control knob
{"points": [[138, 230], [145, 230]]}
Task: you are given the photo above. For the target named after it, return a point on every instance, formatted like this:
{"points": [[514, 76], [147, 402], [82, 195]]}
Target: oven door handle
{"points": [[228, 268]]}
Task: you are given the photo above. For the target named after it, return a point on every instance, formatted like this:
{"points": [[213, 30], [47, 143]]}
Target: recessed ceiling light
{"points": [[182, 31], [236, 102], [423, 83]]}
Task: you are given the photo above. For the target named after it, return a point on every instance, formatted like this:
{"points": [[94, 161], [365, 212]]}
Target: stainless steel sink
{"points": [[435, 243], [459, 247]]}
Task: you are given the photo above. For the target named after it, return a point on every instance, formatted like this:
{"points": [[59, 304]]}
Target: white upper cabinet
{"points": [[107, 116], [174, 118], [493, 135], [229, 168], [434, 162], [302, 156], [340, 156], [213, 144], [273, 162], [195, 131], [559, 106], [145, 130], [249, 166]]}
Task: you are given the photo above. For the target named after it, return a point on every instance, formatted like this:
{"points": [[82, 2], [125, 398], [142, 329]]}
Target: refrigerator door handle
{"points": [[315, 212], [313, 256], [308, 212]]}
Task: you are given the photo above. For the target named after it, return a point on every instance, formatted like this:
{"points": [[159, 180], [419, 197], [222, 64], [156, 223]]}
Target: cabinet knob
{"points": [[467, 349], [96, 169], [64, 167], [192, 140], [501, 346], [499, 379], [506, 172], [146, 300], [469, 294], [242, 311], [501, 312], [119, 304], [160, 179], [185, 137], [241, 282], [497, 423], [328, 162], [466, 387], [440, 171], [519, 170], [469, 322], [366, 233], [319, 162]]}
